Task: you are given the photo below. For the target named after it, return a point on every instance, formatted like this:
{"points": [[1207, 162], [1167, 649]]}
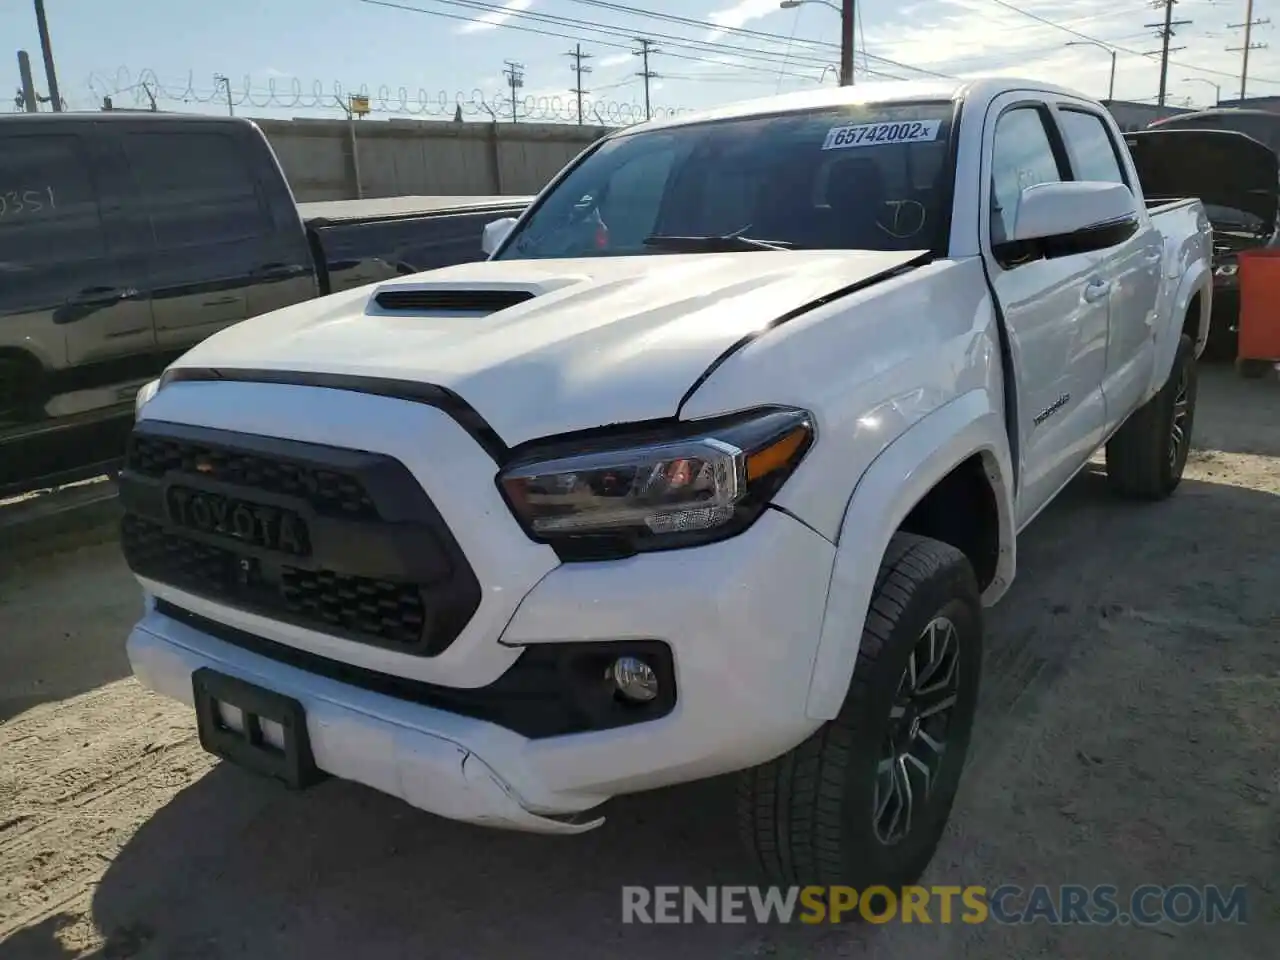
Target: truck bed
{"points": [[1157, 205]]}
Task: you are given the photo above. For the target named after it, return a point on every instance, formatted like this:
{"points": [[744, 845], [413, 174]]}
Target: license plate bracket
{"points": [[293, 763]]}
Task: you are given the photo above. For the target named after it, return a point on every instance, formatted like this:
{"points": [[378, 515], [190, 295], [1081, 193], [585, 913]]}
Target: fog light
{"points": [[634, 679]]}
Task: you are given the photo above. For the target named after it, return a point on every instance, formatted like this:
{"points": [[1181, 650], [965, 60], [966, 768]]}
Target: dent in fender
{"points": [[885, 493]]}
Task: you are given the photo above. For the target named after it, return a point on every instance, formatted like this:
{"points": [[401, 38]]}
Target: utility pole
{"points": [[646, 48], [847, 12], [51, 75], [226, 83], [1249, 24], [27, 93], [515, 80], [579, 70], [1165, 31]]}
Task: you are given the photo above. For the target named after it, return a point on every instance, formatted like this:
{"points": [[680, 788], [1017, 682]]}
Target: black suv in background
{"points": [[125, 239]]}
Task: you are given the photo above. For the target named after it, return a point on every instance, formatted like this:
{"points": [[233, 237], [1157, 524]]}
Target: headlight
{"points": [[143, 397], [699, 482]]}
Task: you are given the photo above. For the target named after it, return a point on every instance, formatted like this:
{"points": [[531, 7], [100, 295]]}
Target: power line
{"points": [[646, 48], [688, 43], [691, 44], [1248, 25], [578, 71], [1127, 50], [515, 79], [1165, 32]]}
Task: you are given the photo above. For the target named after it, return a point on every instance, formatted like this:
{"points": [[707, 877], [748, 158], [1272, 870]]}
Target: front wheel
{"points": [[863, 802]]}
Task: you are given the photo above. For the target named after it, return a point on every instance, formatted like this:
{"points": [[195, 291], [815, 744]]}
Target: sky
{"points": [[425, 58]]}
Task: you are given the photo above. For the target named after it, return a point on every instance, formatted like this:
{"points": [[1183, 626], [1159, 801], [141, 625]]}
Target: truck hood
{"points": [[539, 347], [1221, 168]]}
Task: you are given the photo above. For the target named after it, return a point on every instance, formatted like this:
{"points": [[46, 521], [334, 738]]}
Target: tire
{"points": [[807, 817], [1146, 456]]}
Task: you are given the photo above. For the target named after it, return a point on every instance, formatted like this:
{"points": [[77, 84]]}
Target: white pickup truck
{"points": [[711, 467]]}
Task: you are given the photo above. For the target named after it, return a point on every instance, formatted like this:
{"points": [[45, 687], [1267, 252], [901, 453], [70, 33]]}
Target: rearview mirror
{"points": [[494, 233], [1074, 217]]}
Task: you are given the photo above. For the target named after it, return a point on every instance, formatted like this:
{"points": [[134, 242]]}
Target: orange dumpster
{"points": [[1259, 305]]}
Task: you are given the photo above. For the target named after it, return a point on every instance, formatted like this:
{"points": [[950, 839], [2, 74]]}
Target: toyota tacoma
{"points": [[711, 467]]}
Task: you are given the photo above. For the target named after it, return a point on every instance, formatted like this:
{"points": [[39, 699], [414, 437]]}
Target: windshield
{"points": [[855, 177]]}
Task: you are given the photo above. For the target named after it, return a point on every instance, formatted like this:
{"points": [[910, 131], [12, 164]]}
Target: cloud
{"points": [[740, 14], [616, 60], [488, 21], [981, 38]]}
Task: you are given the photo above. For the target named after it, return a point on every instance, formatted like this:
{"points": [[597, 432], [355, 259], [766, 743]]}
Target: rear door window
{"points": [[1093, 152], [198, 188], [48, 204]]}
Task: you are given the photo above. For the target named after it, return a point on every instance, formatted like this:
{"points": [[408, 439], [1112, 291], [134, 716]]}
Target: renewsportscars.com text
{"points": [[1064, 904]]}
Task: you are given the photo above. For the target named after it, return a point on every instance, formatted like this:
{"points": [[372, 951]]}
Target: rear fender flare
{"points": [[899, 478], [1197, 279]]}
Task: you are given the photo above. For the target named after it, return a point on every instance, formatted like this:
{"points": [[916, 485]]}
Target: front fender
{"points": [[899, 478]]}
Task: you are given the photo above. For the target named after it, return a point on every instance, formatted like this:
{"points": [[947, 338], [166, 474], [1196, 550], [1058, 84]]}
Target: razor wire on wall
{"points": [[146, 90]]}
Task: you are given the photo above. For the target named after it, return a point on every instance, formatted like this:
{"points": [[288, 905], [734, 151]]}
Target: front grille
{"points": [[379, 608], [343, 542], [328, 492], [391, 612]]}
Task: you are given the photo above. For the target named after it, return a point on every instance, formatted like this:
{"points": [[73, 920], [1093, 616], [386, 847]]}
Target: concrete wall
{"points": [[411, 157]]}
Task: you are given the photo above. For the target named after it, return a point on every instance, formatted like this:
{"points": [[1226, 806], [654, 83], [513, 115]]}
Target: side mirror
{"points": [[1076, 216], [494, 233]]}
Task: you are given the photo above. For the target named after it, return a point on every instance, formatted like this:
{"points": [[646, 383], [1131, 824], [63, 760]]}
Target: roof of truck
{"points": [[880, 92]]}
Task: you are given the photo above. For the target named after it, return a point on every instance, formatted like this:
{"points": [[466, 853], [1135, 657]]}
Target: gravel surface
{"points": [[1129, 732]]}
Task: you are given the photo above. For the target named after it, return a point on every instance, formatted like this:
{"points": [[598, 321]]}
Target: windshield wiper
{"points": [[727, 243]]}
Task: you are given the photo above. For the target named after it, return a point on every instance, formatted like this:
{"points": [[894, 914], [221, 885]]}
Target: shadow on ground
{"points": [[1236, 414], [234, 867]]}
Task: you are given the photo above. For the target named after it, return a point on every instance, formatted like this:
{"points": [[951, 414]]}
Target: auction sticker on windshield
{"points": [[874, 134]]}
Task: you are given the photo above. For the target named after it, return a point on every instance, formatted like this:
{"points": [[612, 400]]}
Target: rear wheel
{"points": [[1147, 455], [865, 799]]}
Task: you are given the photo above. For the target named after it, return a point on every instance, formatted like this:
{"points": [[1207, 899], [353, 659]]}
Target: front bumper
{"points": [[742, 619]]}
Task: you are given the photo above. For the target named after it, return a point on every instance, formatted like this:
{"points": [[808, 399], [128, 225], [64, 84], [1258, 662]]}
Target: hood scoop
{"points": [[458, 295], [436, 300]]}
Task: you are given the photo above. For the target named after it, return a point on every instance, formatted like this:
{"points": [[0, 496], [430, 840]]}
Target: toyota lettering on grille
{"points": [[268, 527]]}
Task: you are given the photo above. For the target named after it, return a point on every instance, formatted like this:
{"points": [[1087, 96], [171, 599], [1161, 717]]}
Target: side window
{"points": [[1021, 157], [198, 188], [633, 196], [48, 206], [1093, 154]]}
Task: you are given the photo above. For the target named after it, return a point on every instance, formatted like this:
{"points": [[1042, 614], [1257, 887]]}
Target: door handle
{"points": [[90, 300], [96, 296], [278, 271], [1096, 290], [220, 302]]}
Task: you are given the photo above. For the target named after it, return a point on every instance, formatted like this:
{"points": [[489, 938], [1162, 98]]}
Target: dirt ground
{"points": [[1129, 733]]}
